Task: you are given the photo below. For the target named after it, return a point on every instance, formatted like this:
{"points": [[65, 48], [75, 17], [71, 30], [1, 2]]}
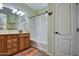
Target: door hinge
{"points": [[76, 4], [50, 13], [77, 29]]}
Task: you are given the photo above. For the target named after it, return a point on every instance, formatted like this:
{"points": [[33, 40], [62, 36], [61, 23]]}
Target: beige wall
{"points": [[51, 42]]}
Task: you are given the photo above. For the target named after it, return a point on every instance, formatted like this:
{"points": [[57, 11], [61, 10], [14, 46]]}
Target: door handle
{"points": [[57, 33]]}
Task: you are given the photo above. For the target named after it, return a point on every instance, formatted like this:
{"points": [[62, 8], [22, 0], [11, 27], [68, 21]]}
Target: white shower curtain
{"points": [[38, 28]]}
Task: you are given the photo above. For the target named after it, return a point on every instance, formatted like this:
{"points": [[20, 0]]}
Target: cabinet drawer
{"points": [[12, 40], [2, 37], [9, 36], [12, 36], [12, 51], [23, 35], [11, 45]]}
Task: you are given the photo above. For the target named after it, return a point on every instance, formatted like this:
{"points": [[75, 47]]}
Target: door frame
{"points": [[74, 30], [51, 30]]}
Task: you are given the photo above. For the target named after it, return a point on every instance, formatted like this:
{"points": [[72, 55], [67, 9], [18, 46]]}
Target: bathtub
{"points": [[39, 45]]}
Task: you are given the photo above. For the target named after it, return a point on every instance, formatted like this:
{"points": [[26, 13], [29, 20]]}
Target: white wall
{"points": [[32, 29]]}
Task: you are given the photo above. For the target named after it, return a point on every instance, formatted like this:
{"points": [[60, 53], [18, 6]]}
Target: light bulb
{"points": [[1, 6], [14, 10], [19, 12], [22, 13]]}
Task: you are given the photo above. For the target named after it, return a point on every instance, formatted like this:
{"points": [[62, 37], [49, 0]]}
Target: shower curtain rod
{"points": [[40, 14]]}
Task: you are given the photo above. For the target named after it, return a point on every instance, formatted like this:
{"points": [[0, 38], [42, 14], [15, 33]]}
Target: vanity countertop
{"points": [[11, 32]]}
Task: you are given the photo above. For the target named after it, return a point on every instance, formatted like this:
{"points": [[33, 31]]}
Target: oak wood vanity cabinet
{"points": [[13, 43]]}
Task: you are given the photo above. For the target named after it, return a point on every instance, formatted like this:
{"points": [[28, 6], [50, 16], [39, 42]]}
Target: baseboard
{"points": [[50, 54], [39, 48]]}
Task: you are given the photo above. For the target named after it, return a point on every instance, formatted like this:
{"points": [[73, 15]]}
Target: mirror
{"points": [[3, 18], [22, 23], [10, 21]]}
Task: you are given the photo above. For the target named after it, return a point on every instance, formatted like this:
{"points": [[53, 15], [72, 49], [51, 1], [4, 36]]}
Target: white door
{"points": [[63, 29]]}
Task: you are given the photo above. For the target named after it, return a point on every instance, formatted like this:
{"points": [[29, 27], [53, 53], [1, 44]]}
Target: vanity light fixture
{"points": [[1, 6], [18, 12]]}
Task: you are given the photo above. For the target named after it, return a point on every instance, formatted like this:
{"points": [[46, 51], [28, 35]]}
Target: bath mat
{"points": [[27, 52]]}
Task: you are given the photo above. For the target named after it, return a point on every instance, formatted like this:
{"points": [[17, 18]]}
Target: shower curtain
{"points": [[41, 28], [38, 29]]}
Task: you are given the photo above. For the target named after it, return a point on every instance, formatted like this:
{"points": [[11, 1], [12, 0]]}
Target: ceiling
{"points": [[37, 6], [22, 6], [28, 8]]}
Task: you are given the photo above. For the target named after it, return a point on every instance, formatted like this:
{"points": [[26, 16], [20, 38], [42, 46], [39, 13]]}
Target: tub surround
{"points": [[11, 43]]}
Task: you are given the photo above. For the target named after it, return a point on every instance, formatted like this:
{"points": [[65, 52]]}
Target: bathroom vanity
{"points": [[14, 36], [13, 43]]}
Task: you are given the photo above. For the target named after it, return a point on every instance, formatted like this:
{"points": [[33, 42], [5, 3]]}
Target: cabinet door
{"points": [[23, 41], [27, 41], [2, 45]]}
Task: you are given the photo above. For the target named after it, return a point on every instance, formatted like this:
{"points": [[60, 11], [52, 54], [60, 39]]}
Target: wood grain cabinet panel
{"points": [[24, 41], [12, 45], [27, 41], [12, 40], [2, 44], [12, 51]]}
